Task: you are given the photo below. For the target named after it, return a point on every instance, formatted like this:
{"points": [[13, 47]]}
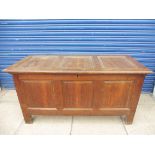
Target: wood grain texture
{"points": [[84, 94], [61, 85], [78, 64], [114, 94], [84, 89], [21, 97], [41, 92]]}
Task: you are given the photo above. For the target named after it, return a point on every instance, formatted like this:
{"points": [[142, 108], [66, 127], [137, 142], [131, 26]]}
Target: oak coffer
{"points": [[78, 85]]}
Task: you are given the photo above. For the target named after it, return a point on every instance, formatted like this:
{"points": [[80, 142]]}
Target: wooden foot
{"points": [[27, 118], [129, 118]]}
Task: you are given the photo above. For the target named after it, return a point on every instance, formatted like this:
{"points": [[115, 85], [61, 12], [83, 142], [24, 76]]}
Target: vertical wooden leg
{"points": [[138, 83], [130, 117], [27, 117]]}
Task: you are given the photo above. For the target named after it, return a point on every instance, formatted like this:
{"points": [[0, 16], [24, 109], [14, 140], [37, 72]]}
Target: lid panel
{"points": [[115, 62], [78, 64]]}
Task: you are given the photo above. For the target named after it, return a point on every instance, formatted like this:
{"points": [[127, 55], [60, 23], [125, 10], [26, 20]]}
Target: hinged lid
{"points": [[99, 64]]}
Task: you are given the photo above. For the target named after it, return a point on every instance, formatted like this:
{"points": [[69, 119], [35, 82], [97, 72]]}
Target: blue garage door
{"points": [[20, 38]]}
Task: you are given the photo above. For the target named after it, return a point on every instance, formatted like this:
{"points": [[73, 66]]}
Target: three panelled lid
{"points": [[98, 64]]}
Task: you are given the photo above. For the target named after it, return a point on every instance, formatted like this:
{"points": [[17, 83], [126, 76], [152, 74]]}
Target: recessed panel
{"points": [[77, 63], [40, 63], [77, 94], [38, 93], [114, 94], [115, 62]]}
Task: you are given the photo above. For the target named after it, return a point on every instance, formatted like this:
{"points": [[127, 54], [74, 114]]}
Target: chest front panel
{"points": [[74, 91]]}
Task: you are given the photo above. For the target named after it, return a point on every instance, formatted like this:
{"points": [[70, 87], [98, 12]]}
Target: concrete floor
{"points": [[11, 120]]}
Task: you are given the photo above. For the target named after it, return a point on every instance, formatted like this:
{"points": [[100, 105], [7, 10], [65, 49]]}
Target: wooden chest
{"points": [[78, 85]]}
